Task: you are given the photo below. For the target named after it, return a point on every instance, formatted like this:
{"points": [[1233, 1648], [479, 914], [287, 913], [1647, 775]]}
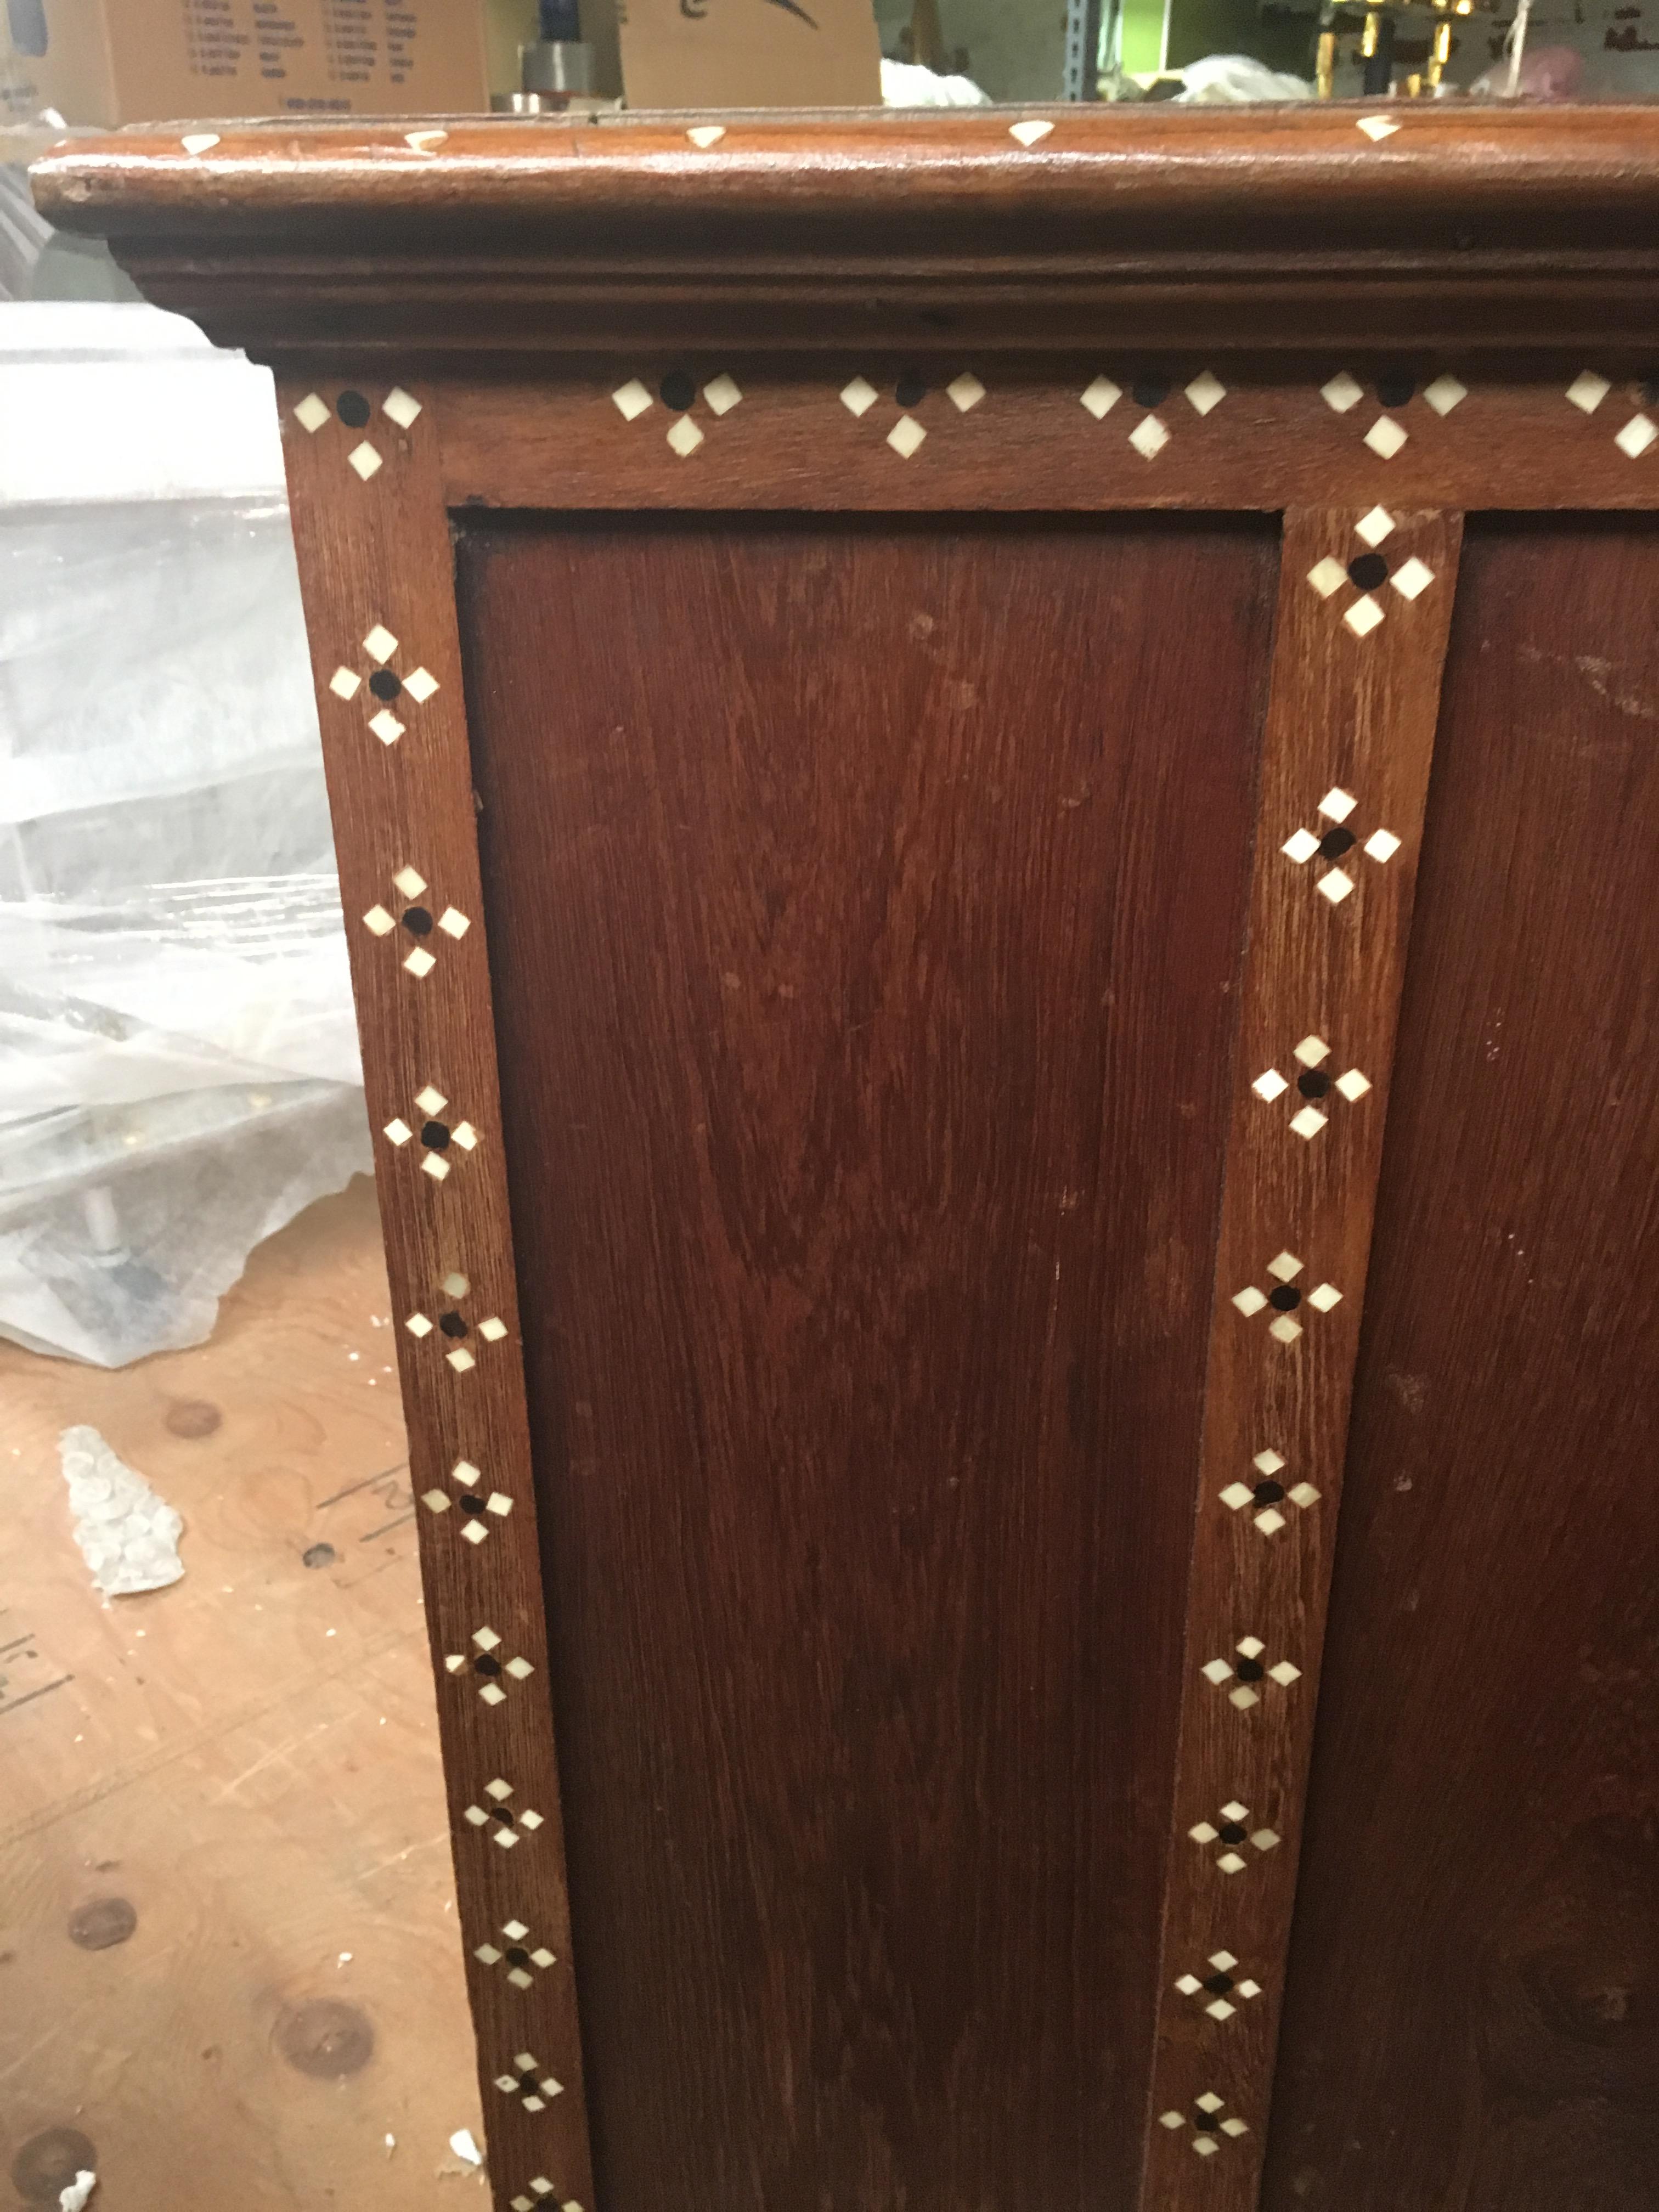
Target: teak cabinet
{"points": [[997, 781]]}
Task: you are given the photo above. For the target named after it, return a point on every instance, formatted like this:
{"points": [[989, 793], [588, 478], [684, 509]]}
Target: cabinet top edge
{"points": [[1142, 170]]}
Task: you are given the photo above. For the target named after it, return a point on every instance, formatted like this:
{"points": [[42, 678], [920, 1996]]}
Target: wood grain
{"points": [[1472, 2011], [1351, 722], [1267, 439], [1493, 227], [868, 900], [375, 555]]}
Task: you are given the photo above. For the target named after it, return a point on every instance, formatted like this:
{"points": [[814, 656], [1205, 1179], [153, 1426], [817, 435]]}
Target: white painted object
{"points": [[75, 2197], [461, 2142], [908, 84], [128, 1536]]}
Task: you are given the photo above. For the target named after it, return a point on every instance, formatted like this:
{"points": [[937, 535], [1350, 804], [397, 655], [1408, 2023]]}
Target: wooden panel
{"points": [[1109, 429], [376, 573], [1346, 761], [868, 899], [1474, 1987]]}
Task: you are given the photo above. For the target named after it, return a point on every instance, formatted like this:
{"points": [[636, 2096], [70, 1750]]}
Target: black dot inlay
{"points": [[1394, 391], [501, 1814], [1232, 1833], [678, 390], [352, 408], [434, 1136], [1311, 1084], [470, 1502], [910, 390], [1149, 390], [1336, 842], [1367, 570], [1219, 1984], [417, 922], [1269, 1493], [1650, 392], [1206, 2124], [518, 1956], [485, 1665], [1286, 1297], [384, 684], [1249, 1670], [452, 1324]]}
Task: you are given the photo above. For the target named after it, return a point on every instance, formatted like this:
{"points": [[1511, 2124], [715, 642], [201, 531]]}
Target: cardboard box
{"points": [[142, 61], [750, 53]]}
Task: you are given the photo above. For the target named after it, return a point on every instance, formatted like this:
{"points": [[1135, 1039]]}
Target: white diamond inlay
{"points": [[686, 437], [1029, 133], [1342, 392], [1101, 397], [365, 460], [631, 399], [1149, 437], [858, 397], [1374, 526], [1267, 1492], [199, 142], [1232, 1833], [312, 413], [1206, 390], [402, 406], [1445, 394], [1328, 575], [379, 644], [1638, 434], [722, 394], [964, 392], [705, 135], [1245, 1671], [906, 436], [1588, 391], [1411, 577], [345, 684], [1376, 127], [1362, 616], [1385, 437]]}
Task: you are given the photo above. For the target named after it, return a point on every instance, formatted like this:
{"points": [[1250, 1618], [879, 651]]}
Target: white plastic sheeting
{"points": [[179, 1069]]}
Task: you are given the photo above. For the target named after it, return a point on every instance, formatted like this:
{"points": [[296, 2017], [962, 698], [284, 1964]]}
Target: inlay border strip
{"points": [[1365, 612], [376, 573], [1101, 432]]}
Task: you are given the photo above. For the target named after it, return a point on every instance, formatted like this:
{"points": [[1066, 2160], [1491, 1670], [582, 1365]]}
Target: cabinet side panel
{"points": [[1473, 2012], [866, 907]]}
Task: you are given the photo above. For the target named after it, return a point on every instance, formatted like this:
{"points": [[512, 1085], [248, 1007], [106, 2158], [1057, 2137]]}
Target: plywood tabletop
{"points": [[229, 1956]]}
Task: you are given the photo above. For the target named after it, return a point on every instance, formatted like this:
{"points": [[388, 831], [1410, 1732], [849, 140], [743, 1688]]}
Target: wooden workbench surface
{"points": [[244, 1766]]}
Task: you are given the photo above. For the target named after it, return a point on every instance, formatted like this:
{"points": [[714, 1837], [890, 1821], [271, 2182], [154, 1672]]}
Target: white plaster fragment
{"points": [[462, 2144], [128, 1536], [76, 2197]]}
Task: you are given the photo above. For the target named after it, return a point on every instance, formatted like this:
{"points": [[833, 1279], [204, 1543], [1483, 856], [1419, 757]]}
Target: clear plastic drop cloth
{"points": [[179, 1068]]}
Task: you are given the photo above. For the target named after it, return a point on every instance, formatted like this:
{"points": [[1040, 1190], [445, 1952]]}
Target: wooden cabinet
{"points": [[891, 688]]}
